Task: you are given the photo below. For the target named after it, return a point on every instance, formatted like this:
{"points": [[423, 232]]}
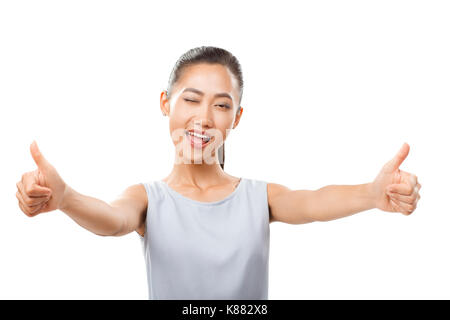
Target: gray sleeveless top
{"points": [[207, 250]]}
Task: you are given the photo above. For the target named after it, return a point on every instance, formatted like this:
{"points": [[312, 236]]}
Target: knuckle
{"points": [[33, 211], [27, 189], [24, 210], [407, 209], [395, 205], [29, 212]]}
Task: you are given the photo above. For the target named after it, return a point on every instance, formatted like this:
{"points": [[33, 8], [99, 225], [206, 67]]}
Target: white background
{"points": [[332, 90]]}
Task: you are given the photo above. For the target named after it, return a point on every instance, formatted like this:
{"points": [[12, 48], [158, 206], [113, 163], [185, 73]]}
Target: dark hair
{"points": [[212, 55]]}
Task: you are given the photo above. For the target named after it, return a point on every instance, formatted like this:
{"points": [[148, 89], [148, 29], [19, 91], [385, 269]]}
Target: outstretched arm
{"points": [[44, 190], [392, 190]]}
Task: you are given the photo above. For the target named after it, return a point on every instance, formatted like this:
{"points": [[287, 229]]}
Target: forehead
{"points": [[209, 78]]}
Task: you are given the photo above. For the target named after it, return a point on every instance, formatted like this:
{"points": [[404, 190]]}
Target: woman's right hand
{"points": [[41, 190]]}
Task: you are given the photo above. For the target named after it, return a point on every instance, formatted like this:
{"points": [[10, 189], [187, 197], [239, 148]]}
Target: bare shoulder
{"points": [[133, 202], [273, 191], [136, 192]]}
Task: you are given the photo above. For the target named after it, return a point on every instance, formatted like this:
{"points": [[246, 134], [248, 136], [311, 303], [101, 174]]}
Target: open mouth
{"points": [[197, 139]]}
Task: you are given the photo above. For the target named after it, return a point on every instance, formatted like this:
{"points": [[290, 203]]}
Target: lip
{"points": [[196, 145], [198, 132]]}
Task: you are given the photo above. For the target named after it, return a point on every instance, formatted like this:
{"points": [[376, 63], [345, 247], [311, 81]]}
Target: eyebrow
{"points": [[223, 94]]}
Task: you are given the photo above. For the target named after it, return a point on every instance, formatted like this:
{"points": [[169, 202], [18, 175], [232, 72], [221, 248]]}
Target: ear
{"points": [[164, 103], [238, 117]]}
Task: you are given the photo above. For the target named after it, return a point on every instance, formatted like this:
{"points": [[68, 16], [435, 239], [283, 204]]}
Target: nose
{"points": [[203, 120], [201, 124], [205, 110]]}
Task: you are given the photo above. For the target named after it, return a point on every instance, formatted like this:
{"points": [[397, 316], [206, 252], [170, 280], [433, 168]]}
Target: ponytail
{"points": [[222, 155]]}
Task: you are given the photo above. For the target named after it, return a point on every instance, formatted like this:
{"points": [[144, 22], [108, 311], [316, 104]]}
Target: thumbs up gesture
{"points": [[40, 190], [396, 190]]}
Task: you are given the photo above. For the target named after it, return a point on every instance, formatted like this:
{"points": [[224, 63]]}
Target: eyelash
{"points": [[222, 105]]}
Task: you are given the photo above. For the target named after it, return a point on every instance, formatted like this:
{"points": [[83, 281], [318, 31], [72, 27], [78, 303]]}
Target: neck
{"points": [[200, 175]]}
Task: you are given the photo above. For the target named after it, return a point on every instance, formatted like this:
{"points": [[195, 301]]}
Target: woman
{"points": [[205, 233]]}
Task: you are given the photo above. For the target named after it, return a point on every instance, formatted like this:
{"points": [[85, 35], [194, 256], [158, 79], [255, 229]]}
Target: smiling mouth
{"points": [[198, 140]]}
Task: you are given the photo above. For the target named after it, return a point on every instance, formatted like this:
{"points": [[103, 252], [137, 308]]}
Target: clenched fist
{"points": [[41, 190]]}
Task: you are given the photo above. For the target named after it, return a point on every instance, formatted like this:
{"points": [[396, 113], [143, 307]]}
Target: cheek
{"points": [[222, 127], [220, 135], [176, 132], [177, 122]]}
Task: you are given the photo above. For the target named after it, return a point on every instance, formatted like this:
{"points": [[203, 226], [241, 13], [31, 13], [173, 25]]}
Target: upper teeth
{"points": [[198, 135]]}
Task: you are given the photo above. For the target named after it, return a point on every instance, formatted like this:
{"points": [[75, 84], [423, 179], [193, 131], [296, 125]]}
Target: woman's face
{"points": [[205, 99]]}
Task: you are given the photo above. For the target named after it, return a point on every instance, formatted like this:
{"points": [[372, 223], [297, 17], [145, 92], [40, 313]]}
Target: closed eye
{"points": [[221, 105]]}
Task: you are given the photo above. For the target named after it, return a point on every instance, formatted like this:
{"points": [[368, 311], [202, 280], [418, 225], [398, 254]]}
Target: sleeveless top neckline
{"points": [[202, 203], [207, 250]]}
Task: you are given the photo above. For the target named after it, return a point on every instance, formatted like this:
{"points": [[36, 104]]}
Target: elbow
{"points": [[109, 234], [116, 231], [320, 220], [306, 220], [299, 219]]}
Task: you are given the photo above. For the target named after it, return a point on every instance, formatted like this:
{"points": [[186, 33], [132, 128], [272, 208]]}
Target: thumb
{"points": [[41, 162], [401, 155]]}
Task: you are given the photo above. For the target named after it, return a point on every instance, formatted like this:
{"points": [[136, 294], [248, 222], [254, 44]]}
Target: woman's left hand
{"points": [[395, 190]]}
